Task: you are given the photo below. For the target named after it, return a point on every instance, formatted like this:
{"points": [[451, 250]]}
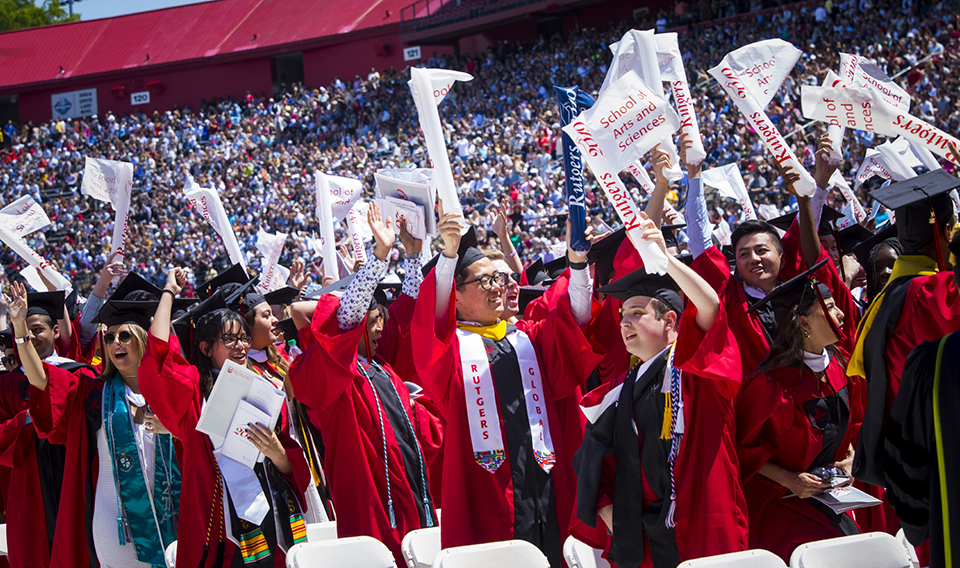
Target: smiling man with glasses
{"points": [[507, 470]]}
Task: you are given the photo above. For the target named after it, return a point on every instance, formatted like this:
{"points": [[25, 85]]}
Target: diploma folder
{"points": [[236, 384]]}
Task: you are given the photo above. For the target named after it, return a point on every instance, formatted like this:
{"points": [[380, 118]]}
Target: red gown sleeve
{"points": [[396, 342], [539, 309], [333, 357], [52, 408], [429, 429], [170, 385], [15, 438], [713, 267], [300, 477], [712, 355], [436, 355], [764, 414]]}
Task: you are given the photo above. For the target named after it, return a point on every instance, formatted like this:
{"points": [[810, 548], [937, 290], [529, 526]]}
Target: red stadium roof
{"points": [[178, 34]]}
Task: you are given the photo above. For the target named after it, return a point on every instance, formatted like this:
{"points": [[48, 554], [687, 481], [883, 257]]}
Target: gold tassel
{"points": [[665, 433]]}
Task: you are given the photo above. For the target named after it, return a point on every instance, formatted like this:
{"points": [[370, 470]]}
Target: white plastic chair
{"points": [[745, 559], [317, 532], [353, 552], [874, 550], [581, 555], [504, 554], [170, 554], [911, 551], [420, 547]]}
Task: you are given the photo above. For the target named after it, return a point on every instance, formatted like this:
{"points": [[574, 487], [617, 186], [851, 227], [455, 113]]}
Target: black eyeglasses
{"points": [[230, 341], [488, 280], [123, 336]]}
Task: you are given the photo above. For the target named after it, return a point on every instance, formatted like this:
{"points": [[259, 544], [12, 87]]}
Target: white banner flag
{"points": [[864, 110], [429, 87], [752, 109], [111, 182], [672, 71], [414, 185], [359, 229], [625, 123], [729, 182], [835, 129], [207, 203], [15, 242], [640, 174], [24, 216], [328, 242], [861, 73], [637, 52], [761, 67], [344, 193], [837, 181], [270, 247]]}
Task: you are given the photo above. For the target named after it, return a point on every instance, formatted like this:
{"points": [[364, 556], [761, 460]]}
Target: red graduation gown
{"points": [[67, 412], [478, 506], [777, 423], [713, 267], [172, 388], [711, 513], [341, 402]]}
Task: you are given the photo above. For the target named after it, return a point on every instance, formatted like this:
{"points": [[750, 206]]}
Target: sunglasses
{"points": [[123, 336]]}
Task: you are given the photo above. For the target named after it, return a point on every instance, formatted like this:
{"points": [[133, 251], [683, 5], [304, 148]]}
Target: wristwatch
{"points": [[21, 340]]}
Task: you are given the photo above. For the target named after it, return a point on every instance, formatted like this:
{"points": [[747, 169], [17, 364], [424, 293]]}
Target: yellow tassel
{"points": [[667, 419]]}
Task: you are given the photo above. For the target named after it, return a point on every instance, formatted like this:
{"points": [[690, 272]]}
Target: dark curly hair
{"points": [[209, 328]]}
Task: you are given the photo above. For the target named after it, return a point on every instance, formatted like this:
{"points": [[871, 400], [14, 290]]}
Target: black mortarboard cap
{"points": [[849, 237], [117, 312], [467, 241], [603, 252], [529, 294], [640, 283], [6, 339], [685, 257], [282, 296], [556, 267], [46, 303], [829, 215], [135, 287], [798, 291], [336, 288], [865, 248], [670, 234], [536, 272], [381, 297], [912, 200], [289, 330], [235, 274], [72, 303], [183, 326], [242, 298]]}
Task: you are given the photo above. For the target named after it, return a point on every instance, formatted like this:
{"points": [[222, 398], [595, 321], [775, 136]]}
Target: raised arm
{"points": [[356, 298], [654, 208], [501, 227], [449, 229], [811, 208], [29, 358], [694, 287], [412, 262], [95, 301], [160, 327], [695, 206]]}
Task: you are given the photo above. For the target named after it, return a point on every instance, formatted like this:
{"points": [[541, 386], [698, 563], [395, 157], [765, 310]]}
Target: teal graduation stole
{"points": [[150, 526]]}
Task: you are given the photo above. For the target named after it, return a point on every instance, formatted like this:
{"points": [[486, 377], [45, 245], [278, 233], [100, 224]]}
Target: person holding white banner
{"points": [[762, 260], [361, 403], [507, 474]]}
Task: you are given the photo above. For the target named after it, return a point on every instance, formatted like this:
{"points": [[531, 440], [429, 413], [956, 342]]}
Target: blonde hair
{"points": [[139, 344]]}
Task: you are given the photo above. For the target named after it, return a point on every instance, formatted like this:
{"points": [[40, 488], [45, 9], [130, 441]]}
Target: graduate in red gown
{"points": [[364, 410], [919, 303], [230, 515], [762, 260], [659, 461], [799, 414], [47, 521], [505, 473]]}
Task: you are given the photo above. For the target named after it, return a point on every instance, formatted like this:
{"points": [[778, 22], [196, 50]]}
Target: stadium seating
{"points": [[353, 552], [510, 553], [580, 555], [873, 550], [745, 559], [420, 547]]}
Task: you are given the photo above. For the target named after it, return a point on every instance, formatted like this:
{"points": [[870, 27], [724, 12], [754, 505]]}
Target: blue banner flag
{"points": [[572, 101]]}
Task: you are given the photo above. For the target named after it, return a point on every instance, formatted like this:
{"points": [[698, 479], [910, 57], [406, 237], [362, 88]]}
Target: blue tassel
{"points": [[393, 520], [121, 532], [426, 507]]}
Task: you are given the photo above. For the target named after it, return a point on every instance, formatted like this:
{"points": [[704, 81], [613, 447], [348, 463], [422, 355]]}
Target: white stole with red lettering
{"points": [[480, 394]]}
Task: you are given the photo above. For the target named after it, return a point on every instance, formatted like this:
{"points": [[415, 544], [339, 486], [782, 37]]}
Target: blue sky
{"points": [[96, 9]]}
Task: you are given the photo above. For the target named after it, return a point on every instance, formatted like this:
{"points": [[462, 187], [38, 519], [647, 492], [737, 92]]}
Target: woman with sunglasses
{"points": [[796, 422], [230, 515], [136, 500]]}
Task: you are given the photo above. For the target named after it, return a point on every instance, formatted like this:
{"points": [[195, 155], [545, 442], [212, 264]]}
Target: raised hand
{"points": [[411, 244], [824, 169], [686, 143], [661, 162], [109, 271], [17, 306], [346, 255], [382, 231], [449, 229], [790, 179], [501, 222], [176, 279], [298, 276], [650, 232]]}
